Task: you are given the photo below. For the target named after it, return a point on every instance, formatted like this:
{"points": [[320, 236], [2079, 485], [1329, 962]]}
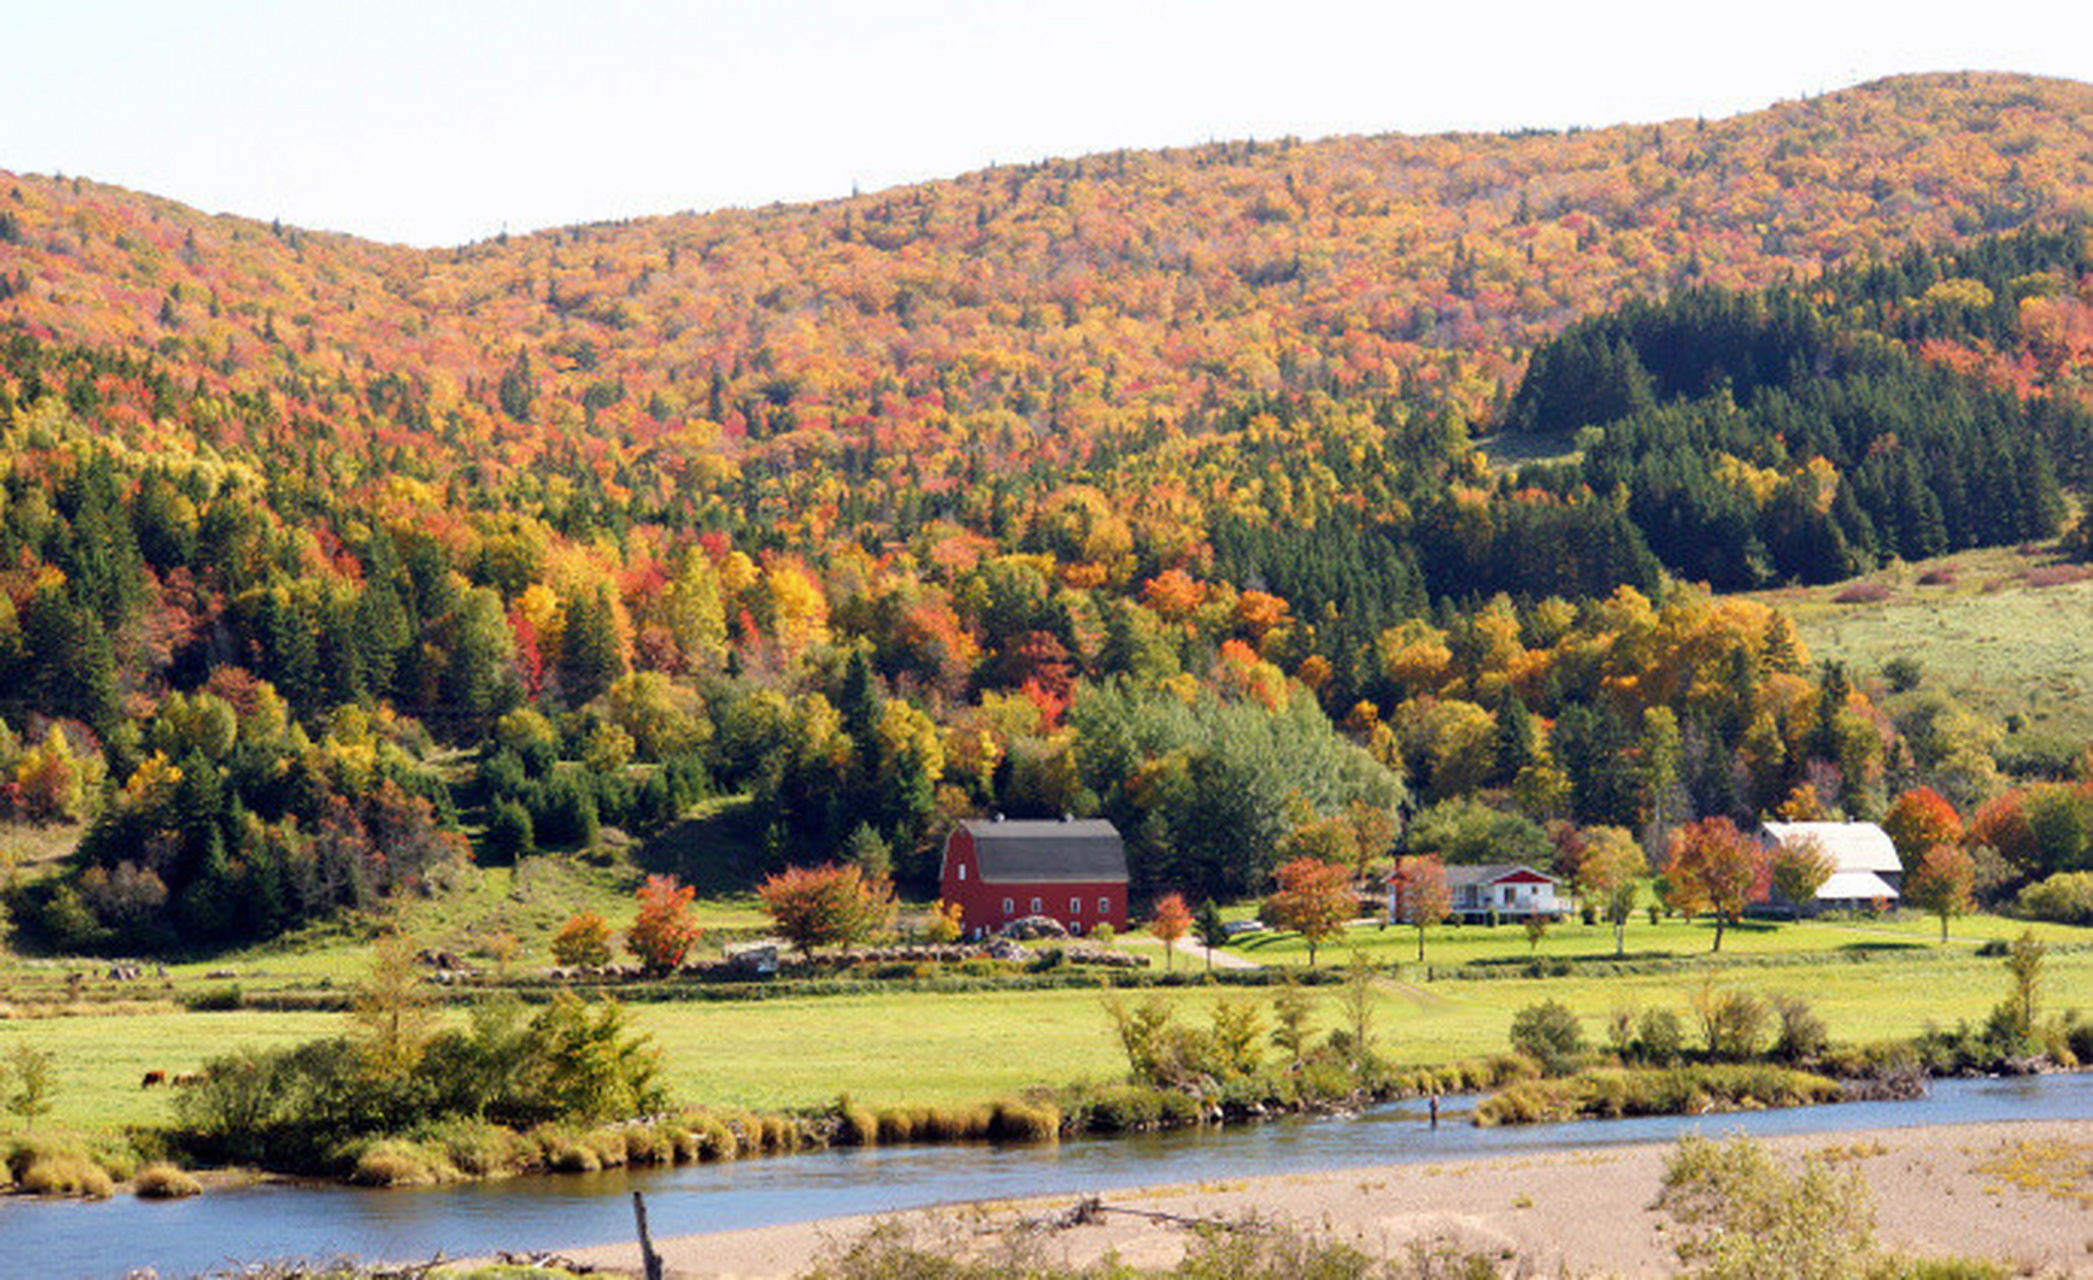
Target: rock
{"points": [[1034, 928]]}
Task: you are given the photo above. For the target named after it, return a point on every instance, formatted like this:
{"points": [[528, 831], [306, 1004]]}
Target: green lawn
{"points": [[931, 1047], [1447, 945]]}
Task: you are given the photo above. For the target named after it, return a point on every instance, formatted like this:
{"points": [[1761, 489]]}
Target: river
{"points": [[216, 1230]]}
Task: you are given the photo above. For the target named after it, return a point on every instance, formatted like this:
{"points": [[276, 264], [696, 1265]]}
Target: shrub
{"points": [[582, 942], [1014, 1121], [1612, 1092], [1733, 1023], [715, 1140], [483, 1150], [64, 1173], [162, 1181], [1801, 1035], [856, 1126], [1748, 1216], [567, 1153], [1550, 1034], [1659, 1037], [2064, 898], [395, 1162], [1862, 593]]}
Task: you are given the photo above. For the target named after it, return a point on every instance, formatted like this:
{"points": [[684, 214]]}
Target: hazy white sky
{"points": [[441, 121]]}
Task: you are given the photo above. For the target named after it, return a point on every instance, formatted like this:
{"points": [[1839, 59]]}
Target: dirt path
{"points": [[1220, 959]]}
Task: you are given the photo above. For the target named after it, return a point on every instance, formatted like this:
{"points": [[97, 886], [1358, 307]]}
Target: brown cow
{"points": [[185, 1079], [153, 1080]]}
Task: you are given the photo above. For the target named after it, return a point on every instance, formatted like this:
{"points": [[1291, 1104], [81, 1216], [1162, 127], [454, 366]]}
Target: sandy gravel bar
{"points": [[2021, 1192]]}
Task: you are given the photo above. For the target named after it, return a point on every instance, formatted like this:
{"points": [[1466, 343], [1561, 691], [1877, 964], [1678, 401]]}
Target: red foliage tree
{"points": [[1422, 896]]}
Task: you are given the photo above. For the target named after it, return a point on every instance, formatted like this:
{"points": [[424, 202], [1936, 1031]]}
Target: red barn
{"points": [[1070, 870]]}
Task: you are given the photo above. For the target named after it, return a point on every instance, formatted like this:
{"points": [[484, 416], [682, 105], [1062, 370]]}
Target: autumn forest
{"points": [[1267, 497]]}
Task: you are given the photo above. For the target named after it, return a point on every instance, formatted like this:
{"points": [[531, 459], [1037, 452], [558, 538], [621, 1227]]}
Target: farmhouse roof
{"points": [[1048, 852], [1460, 874], [1853, 886], [1853, 846]]}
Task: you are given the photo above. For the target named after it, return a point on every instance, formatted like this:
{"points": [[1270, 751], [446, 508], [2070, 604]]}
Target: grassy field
{"points": [[942, 1047], [1988, 635], [1448, 945]]}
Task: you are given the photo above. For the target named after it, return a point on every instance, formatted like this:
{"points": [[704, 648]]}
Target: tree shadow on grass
{"points": [[717, 848]]}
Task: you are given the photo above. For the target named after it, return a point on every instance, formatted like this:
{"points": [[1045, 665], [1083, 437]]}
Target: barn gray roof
{"points": [[1048, 852]]}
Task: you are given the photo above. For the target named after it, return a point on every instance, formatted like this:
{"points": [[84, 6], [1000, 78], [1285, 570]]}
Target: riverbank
{"points": [[2019, 1191]]}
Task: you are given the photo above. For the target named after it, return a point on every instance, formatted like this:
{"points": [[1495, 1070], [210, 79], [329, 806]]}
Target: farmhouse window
{"points": [[1075, 906], [962, 870], [1035, 906], [1104, 906], [1009, 905]]}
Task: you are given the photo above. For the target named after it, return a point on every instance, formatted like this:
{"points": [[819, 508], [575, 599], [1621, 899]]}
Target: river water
{"points": [[216, 1230]]}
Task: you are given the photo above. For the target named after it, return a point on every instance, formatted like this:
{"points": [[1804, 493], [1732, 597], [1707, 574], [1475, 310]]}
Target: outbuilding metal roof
{"points": [[1852, 886], [1853, 846], [1047, 852]]}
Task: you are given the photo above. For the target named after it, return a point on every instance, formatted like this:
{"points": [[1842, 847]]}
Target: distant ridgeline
{"points": [[1810, 431]]}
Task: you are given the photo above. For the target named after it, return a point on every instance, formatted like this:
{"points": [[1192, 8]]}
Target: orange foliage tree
{"points": [[1173, 920], [584, 941], [1716, 869], [663, 932], [1920, 819], [829, 905], [1313, 899]]}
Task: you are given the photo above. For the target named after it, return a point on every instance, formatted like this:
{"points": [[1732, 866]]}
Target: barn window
{"points": [[1075, 906], [962, 870], [1035, 906], [1009, 905], [1104, 906]]}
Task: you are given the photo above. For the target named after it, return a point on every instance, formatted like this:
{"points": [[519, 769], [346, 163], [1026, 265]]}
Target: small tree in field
{"points": [[830, 905], [1536, 929], [1211, 929], [31, 1082], [944, 925], [1944, 885], [1715, 869], [1422, 897], [663, 932], [1608, 877], [1313, 899], [1799, 868], [392, 1013], [582, 942], [1173, 920]]}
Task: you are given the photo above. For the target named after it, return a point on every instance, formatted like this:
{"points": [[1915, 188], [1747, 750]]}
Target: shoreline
{"points": [[1580, 1209]]}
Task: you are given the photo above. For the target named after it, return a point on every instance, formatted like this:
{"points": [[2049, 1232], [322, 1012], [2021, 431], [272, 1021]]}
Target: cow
{"points": [[154, 1080]]}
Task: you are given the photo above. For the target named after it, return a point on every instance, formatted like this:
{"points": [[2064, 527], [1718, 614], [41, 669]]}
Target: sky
{"points": [[445, 121]]}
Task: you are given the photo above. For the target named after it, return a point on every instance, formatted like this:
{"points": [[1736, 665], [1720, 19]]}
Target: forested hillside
{"points": [[1138, 484]]}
